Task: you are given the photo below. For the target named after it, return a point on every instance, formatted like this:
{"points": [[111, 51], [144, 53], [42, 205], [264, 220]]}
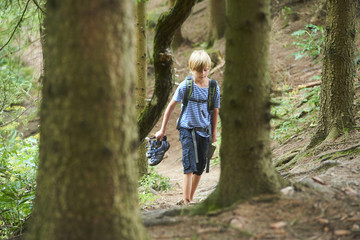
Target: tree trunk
{"points": [[217, 21], [337, 90], [246, 169], [178, 38], [141, 70], [86, 180], [163, 64]]}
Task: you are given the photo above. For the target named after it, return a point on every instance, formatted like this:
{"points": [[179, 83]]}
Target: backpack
{"points": [[187, 97]]}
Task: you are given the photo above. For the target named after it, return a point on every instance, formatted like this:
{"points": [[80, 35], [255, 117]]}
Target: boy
{"points": [[194, 119]]}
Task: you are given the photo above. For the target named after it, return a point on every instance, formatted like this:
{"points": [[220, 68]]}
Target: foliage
{"points": [[309, 40], [286, 13], [15, 86], [291, 112], [18, 168], [19, 21], [154, 181]]}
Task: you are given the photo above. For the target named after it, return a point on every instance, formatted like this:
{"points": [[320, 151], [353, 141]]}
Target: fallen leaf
{"points": [[323, 220], [344, 216], [278, 225], [353, 219], [318, 180], [341, 232], [279, 231], [207, 230]]}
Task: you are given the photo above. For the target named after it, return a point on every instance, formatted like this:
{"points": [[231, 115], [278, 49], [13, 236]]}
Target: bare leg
{"points": [[187, 187], [195, 183]]}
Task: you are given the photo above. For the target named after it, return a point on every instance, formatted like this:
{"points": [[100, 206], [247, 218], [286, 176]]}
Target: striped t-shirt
{"points": [[196, 113]]}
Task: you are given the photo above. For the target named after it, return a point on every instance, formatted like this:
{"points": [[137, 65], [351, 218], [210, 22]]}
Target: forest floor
{"points": [[322, 200], [323, 197]]}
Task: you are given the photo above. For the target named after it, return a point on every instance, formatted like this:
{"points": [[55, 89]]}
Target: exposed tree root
{"points": [[161, 217], [341, 150], [326, 164], [333, 135], [284, 159], [291, 161], [324, 158]]}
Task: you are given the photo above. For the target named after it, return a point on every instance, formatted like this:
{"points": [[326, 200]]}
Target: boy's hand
{"points": [[159, 135]]}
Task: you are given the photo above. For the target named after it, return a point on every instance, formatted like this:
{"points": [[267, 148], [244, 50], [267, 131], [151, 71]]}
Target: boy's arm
{"points": [[169, 109], [214, 125]]}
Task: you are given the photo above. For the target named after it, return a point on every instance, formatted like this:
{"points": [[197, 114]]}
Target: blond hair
{"points": [[199, 60]]}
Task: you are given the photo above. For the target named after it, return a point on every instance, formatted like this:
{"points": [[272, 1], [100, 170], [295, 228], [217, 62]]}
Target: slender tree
{"points": [[337, 91], [141, 70], [246, 169], [163, 64], [86, 181], [217, 23]]}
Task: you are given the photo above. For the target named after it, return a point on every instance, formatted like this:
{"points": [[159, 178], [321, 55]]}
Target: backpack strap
{"points": [[211, 95], [188, 90], [187, 94]]}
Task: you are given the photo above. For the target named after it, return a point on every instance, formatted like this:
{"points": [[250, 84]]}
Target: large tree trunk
{"points": [[163, 64], [217, 24], [141, 70], [246, 169], [337, 91], [86, 181]]}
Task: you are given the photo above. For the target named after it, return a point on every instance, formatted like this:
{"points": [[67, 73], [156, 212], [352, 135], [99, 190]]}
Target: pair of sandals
{"points": [[156, 150]]}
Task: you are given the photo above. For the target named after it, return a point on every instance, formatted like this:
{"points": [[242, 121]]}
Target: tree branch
{"points": [[17, 25], [16, 118], [165, 29], [38, 6]]}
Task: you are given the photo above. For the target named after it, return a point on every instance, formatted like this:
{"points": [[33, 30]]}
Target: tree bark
{"points": [[163, 64], [178, 38], [141, 70], [337, 90], [86, 187], [217, 23], [246, 169]]}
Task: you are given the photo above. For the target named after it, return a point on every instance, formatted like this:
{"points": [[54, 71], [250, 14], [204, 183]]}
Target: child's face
{"points": [[201, 75]]}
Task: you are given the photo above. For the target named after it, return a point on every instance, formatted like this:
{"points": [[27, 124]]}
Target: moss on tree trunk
{"points": [[86, 186], [246, 169], [337, 91]]}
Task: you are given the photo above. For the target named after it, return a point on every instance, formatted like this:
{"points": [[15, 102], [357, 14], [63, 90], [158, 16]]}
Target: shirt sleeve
{"points": [[179, 93]]}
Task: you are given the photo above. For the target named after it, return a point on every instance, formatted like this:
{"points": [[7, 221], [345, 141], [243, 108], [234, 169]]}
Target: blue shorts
{"points": [[188, 159]]}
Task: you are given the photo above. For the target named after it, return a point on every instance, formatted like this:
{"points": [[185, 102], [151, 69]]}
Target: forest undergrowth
{"points": [[321, 199]]}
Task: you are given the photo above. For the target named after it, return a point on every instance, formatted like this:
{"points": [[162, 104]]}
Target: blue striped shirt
{"points": [[196, 113]]}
